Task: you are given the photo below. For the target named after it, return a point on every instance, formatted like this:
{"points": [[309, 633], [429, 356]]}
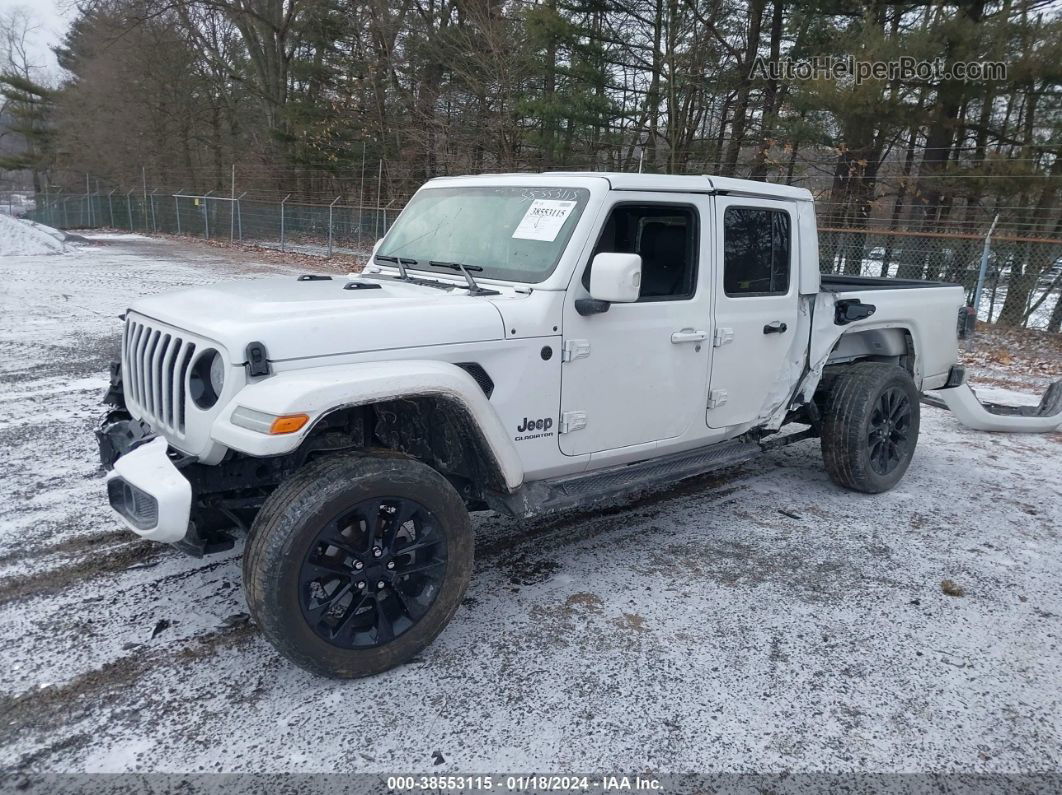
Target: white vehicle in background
{"points": [[518, 343]]}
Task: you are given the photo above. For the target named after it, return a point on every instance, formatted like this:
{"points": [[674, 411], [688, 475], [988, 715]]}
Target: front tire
{"points": [[356, 563], [870, 426]]}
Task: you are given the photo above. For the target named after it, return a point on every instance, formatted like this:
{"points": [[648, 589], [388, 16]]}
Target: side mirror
{"points": [[616, 278]]}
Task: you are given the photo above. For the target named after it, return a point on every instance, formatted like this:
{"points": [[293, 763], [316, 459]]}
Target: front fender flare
{"points": [[317, 391]]}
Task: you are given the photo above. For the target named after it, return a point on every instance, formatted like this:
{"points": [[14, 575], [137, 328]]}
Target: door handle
{"points": [[688, 335], [777, 327]]}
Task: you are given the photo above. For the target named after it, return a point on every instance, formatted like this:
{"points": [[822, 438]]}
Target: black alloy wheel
{"points": [[870, 424], [372, 572], [889, 440], [357, 562]]}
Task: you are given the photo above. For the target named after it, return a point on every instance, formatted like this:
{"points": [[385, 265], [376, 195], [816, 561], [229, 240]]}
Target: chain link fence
{"points": [[1020, 277], [319, 229]]}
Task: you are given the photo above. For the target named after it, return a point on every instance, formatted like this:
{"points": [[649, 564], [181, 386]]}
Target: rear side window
{"points": [[755, 251]]}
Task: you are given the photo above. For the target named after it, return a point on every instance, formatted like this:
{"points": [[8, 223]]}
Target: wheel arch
{"points": [[885, 344], [868, 342], [433, 427], [433, 411]]}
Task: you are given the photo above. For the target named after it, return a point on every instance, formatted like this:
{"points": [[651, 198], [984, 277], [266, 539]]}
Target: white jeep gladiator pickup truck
{"points": [[518, 343]]}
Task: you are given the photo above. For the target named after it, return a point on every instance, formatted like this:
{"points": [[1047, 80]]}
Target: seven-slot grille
{"points": [[155, 364]]}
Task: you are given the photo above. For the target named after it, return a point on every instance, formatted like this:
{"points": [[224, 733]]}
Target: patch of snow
{"points": [[47, 230], [26, 238], [1005, 397]]}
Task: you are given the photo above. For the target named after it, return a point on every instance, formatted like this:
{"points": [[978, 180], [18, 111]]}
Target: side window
{"points": [[665, 236], [755, 251]]}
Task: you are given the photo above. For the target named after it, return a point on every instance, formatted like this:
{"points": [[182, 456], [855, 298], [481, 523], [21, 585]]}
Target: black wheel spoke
{"points": [[414, 609], [415, 547], [346, 620], [376, 524], [324, 605], [421, 568], [341, 545], [323, 566], [385, 628], [901, 409], [390, 519], [406, 511]]}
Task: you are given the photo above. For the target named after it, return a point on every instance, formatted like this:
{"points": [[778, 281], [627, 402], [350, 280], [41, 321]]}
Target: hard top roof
{"points": [[666, 183], [703, 183]]}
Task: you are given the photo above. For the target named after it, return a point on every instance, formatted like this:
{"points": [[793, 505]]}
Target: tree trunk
{"points": [[741, 108], [1023, 278], [770, 96], [951, 95], [1054, 325]]}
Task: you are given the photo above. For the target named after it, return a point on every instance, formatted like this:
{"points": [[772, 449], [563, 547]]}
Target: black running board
{"points": [[592, 488]]}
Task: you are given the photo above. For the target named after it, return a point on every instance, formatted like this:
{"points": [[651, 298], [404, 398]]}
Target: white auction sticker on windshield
{"points": [[543, 219]]}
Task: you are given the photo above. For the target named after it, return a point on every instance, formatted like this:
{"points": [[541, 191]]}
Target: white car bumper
{"points": [[150, 494], [971, 412]]}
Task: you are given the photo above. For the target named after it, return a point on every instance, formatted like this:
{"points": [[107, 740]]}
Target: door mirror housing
{"points": [[616, 278]]}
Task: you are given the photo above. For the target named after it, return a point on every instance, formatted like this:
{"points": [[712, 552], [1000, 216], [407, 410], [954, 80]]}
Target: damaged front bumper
{"points": [[150, 494], [147, 489], [145, 485]]}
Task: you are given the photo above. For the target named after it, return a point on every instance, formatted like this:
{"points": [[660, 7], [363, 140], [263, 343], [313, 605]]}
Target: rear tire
{"points": [[870, 426], [356, 563]]}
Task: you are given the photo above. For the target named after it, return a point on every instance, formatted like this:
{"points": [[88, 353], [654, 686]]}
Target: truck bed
{"points": [[929, 311], [843, 283]]}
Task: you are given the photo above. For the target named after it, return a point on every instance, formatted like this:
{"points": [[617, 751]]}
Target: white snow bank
{"points": [[47, 230], [28, 238]]}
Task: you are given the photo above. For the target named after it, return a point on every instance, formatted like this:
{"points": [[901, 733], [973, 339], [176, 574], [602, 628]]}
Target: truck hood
{"points": [[295, 319]]}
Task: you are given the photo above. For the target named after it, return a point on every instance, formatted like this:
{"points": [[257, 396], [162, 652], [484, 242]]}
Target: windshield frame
{"points": [[560, 189]]}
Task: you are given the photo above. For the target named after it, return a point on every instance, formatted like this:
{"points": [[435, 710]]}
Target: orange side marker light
{"points": [[289, 423]]}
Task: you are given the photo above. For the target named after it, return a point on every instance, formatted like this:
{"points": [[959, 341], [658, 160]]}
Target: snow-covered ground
{"points": [[756, 620]]}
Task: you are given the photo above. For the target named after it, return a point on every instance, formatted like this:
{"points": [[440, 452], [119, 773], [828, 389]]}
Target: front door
{"points": [[756, 306], [638, 372]]}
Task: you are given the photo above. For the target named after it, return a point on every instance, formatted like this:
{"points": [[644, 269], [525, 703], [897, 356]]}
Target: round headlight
{"points": [[206, 379], [217, 373]]}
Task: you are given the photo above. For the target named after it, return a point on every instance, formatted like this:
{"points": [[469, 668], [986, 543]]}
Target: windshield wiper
{"points": [[401, 262], [473, 288]]}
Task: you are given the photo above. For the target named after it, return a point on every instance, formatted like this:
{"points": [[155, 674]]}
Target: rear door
{"points": [[756, 305]]}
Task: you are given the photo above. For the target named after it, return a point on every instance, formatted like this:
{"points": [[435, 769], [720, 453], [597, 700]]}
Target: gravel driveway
{"points": [[757, 620]]}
